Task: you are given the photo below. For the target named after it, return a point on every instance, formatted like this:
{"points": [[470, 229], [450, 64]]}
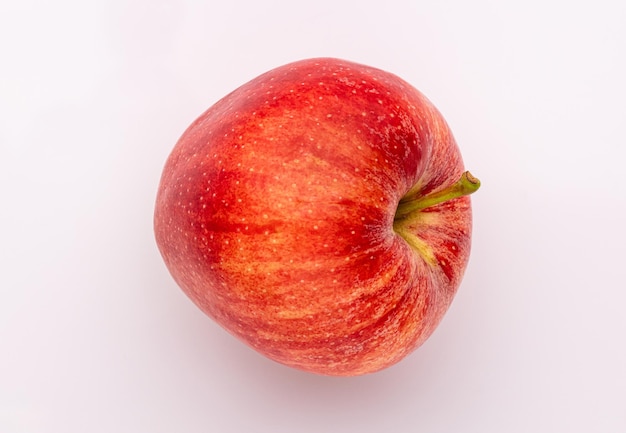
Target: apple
{"points": [[319, 213]]}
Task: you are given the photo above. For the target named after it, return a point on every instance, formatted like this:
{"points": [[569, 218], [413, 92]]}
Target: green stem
{"points": [[466, 185]]}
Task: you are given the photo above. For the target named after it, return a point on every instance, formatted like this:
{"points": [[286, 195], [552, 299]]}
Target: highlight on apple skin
{"points": [[320, 214]]}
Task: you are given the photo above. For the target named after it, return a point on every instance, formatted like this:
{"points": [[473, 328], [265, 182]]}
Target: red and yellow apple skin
{"points": [[276, 214]]}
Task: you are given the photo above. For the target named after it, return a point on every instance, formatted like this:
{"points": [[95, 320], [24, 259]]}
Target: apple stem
{"points": [[466, 185]]}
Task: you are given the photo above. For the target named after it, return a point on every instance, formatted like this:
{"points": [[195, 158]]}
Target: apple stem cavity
{"points": [[466, 185]]}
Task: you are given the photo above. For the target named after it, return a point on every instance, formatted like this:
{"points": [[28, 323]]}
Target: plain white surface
{"points": [[96, 337]]}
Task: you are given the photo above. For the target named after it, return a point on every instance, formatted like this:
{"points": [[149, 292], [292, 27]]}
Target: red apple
{"points": [[320, 214]]}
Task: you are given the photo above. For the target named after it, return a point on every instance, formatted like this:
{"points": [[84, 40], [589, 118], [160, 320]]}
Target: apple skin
{"points": [[275, 215]]}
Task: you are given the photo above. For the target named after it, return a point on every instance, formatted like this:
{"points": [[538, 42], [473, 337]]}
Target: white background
{"points": [[96, 337]]}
